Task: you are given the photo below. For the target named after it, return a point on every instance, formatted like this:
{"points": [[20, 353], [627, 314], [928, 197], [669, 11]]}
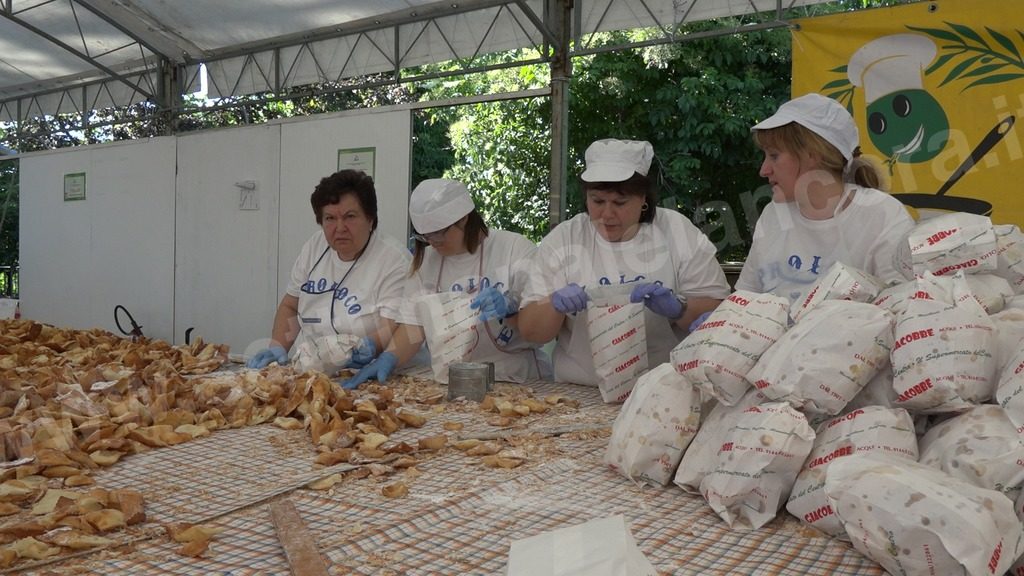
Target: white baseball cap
{"points": [[611, 160], [438, 203], [821, 115]]}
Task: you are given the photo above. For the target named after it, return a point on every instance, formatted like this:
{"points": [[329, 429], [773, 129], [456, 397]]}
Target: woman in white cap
{"points": [[622, 239], [345, 275], [455, 251], [825, 207]]}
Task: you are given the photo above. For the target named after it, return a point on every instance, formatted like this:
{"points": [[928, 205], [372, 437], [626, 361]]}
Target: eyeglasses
{"points": [[435, 235]]}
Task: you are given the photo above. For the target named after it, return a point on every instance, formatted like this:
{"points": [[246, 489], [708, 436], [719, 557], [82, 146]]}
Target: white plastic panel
{"points": [[79, 259], [228, 187], [177, 249]]}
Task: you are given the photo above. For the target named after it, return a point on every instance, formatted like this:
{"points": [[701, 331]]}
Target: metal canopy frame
{"points": [[374, 51], [272, 66], [387, 49]]}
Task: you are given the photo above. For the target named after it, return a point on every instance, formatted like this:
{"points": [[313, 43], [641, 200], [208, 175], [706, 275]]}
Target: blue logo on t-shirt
{"points": [[605, 281], [341, 294]]}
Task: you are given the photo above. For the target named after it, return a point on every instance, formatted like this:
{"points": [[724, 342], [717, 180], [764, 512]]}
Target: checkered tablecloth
{"points": [[459, 517]]}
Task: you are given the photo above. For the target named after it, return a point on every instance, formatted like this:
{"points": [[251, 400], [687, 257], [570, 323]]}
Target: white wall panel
{"points": [[174, 247], [81, 258], [309, 151], [225, 284]]}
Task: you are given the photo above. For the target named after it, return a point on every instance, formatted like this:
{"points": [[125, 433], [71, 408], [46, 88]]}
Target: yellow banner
{"points": [[937, 90]]}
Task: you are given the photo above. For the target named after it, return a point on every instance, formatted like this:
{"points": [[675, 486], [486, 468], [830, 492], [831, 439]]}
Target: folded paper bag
{"points": [[601, 547]]}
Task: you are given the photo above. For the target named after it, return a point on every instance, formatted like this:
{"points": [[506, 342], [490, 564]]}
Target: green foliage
{"points": [[500, 150], [301, 101], [8, 215], [432, 150], [694, 101], [501, 154]]}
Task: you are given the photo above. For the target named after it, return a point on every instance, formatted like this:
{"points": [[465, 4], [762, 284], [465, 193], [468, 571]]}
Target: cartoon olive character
{"points": [[908, 126], [904, 121]]}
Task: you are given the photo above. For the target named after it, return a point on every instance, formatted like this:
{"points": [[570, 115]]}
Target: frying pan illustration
{"points": [[939, 202]]}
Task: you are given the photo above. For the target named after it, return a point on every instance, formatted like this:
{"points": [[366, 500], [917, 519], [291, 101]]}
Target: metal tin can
{"points": [[469, 380]]}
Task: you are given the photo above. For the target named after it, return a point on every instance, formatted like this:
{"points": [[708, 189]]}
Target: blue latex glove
{"points": [[700, 320], [660, 300], [380, 369], [570, 300], [493, 304], [264, 357], [362, 354]]}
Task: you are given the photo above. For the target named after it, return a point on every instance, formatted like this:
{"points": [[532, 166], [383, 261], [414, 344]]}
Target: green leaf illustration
{"points": [[994, 79], [938, 33], [959, 69], [981, 60], [967, 32], [1004, 41], [984, 70], [844, 97], [839, 69], [837, 84], [942, 60]]}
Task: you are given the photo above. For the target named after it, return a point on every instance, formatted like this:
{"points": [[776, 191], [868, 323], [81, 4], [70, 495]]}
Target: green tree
{"points": [[695, 102], [500, 150], [8, 223]]}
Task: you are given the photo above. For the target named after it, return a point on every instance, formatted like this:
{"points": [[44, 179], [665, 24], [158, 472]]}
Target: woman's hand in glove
{"points": [[379, 369], [493, 304], [264, 357], [362, 354], [660, 300], [570, 299]]}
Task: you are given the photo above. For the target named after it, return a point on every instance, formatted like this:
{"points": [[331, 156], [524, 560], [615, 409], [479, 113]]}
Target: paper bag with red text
{"points": [[618, 340], [719, 353], [914, 519], [450, 327], [757, 464], [870, 429], [654, 426]]}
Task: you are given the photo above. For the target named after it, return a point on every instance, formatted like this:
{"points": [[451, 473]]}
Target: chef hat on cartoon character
{"points": [[890, 64]]}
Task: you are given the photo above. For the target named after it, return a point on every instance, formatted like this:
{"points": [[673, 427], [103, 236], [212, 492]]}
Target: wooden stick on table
{"points": [[551, 431], [299, 545]]}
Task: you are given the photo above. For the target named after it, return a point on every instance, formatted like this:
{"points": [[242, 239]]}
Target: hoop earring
{"points": [[644, 207]]}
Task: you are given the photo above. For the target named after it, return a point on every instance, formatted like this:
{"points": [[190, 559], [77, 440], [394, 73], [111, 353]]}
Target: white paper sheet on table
{"points": [[601, 547]]}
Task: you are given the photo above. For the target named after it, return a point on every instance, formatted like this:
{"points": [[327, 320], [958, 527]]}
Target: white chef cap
{"points": [[890, 64], [611, 160], [438, 203]]}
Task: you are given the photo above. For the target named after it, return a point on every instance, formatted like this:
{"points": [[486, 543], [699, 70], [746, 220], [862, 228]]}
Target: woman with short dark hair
{"points": [[345, 277]]}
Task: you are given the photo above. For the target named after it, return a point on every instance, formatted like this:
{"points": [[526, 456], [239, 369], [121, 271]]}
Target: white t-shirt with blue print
{"points": [[498, 262], [790, 252], [670, 250], [361, 291]]}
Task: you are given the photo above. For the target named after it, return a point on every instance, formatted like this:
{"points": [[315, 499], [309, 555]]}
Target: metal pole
{"points": [[169, 95], [561, 74]]}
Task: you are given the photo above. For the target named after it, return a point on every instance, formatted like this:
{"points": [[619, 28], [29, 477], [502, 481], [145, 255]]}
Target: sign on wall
{"points": [[74, 186], [937, 90], [357, 159]]}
